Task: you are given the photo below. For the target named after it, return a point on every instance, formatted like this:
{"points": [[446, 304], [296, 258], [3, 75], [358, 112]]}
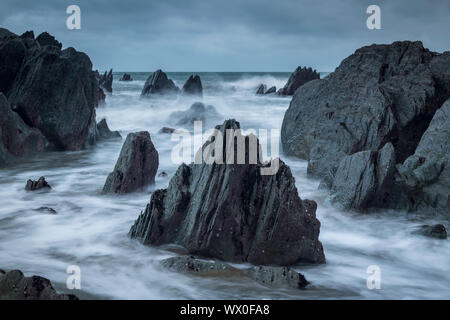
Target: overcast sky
{"points": [[228, 35]]}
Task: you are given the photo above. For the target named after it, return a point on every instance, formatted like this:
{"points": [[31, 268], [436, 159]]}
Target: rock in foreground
{"points": [[37, 185], [136, 167], [158, 83], [297, 79], [15, 286], [233, 213]]}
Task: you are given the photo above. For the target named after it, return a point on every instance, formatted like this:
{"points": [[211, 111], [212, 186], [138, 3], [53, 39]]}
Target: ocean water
{"points": [[90, 229]]}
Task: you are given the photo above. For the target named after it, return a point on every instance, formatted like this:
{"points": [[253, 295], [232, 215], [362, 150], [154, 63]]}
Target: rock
{"points": [[278, 277], [104, 132], [158, 83], [16, 138], [126, 77], [297, 79], [162, 174], [52, 90], [193, 86], [272, 277], [261, 89], [166, 130], [197, 112], [136, 167], [234, 213], [15, 286], [271, 90], [101, 96], [46, 209], [381, 94], [36, 185], [105, 81], [435, 231]]}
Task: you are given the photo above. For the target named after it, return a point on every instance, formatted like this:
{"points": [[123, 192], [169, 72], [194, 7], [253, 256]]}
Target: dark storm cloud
{"points": [[232, 35]]}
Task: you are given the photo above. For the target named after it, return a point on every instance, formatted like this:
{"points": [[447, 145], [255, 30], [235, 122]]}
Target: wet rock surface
{"points": [[159, 83], [234, 213], [381, 94], [297, 79], [15, 286], [33, 185], [136, 167], [193, 86], [104, 133], [126, 77], [261, 89], [105, 81], [434, 231]]}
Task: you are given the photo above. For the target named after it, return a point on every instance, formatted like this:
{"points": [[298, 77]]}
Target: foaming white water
{"points": [[90, 229]]}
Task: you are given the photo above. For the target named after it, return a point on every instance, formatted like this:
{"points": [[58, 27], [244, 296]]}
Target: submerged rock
{"points": [[276, 277], [166, 130], [297, 79], [381, 94], [15, 286], [193, 86], [136, 167], [197, 112], [36, 185], [234, 213], [158, 83], [104, 132], [126, 77], [435, 231], [105, 81], [46, 209]]}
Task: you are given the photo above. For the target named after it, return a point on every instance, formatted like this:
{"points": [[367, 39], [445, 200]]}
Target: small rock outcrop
{"points": [[261, 89], [158, 83], [166, 130], [103, 132], [193, 86], [126, 77], [437, 231], [136, 167], [15, 286], [197, 112], [233, 213], [297, 79], [381, 94], [33, 185], [271, 90], [46, 210], [105, 81]]}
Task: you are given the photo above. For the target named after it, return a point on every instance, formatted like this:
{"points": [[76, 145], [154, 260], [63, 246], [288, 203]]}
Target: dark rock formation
{"points": [[158, 83], [105, 81], [101, 96], [272, 277], [52, 90], [297, 79], [16, 138], [197, 112], [261, 89], [36, 185], [233, 212], [46, 209], [271, 90], [193, 86], [136, 167], [381, 94], [126, 77], [435, 231], [15, 286], [166, 130], [162, 174], [104, 133]]}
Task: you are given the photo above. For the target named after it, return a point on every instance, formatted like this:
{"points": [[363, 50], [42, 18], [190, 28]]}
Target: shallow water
{"points": [[90, 229]]}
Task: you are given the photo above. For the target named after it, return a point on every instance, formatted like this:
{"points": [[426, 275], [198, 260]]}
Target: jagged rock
{"points": [[197, 112], [33, 185], [435, 231], [136, 167], [261, 89], [52, 90], [166, 130], [46, 209], [158, 83], [380, 94], [277, 277], [101, 96], [232, 212], [16, 138], [15, 286], [104, 132], [193, 86], [297, 79], [271, 90], [105, 81], [126, 77]]}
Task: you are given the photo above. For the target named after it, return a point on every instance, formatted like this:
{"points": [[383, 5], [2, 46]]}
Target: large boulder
{"points": [[233, 212], [17, 139], [197, 112], [136, 167], [52, 90], [15, 286], [193, 86], [297, 79], [381, 94], [158, 83]]}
